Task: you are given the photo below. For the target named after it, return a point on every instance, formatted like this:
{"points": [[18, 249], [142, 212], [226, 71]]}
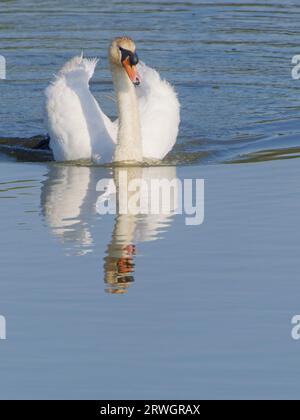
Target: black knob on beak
{"points": [[134, 59]]}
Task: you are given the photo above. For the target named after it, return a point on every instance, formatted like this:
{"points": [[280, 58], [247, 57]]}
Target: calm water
{"points": [[145, 306]]}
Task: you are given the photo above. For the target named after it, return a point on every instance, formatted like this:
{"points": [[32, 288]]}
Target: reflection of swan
{"points": [[148, 115], [63, 195], [69, 199], [130, 228]]}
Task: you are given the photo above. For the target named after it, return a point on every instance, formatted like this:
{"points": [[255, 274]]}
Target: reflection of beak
{"points": [[132, 72], [125, 265]]}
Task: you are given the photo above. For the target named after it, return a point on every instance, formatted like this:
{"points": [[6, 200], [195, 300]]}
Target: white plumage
{"points": [[159, 114], [79, 129]]}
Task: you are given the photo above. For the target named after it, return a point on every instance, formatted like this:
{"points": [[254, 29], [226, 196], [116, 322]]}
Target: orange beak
{"points": [[132, 72]]}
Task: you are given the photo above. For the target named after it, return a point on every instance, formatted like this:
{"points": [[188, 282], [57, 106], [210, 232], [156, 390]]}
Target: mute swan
{"points": [[148, 108]]}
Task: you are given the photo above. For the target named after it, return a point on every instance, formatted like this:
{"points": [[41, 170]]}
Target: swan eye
{"points": [[124, 54]]}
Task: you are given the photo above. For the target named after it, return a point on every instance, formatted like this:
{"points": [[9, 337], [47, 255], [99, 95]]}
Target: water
{"points": [[147, 307], [235, 100]]}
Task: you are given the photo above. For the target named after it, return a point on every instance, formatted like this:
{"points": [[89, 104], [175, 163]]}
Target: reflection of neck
{"points": [[129, 145], [119, 262], [126, 221]]}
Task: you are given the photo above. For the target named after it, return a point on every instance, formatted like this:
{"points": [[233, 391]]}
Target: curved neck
{"points": [[129, 144]]}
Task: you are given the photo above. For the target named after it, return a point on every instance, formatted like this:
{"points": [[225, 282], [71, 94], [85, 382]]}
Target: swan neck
{"points": [[129, 140]]}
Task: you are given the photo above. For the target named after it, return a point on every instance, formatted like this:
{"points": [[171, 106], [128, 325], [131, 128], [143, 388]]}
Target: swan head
{"points": [[122, 53]]}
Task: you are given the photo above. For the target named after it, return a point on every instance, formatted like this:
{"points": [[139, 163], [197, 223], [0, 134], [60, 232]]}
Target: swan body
{"points": [[149, 114]]}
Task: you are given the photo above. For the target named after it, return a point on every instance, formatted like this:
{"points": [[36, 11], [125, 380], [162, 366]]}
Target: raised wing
{"points": [[159, 112], [77, 126]]}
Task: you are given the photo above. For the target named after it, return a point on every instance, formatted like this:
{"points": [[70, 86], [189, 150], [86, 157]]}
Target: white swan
{"points": [[149, 111]]}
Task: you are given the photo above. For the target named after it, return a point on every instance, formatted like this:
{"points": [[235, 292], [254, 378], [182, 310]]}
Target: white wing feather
{"points": [[77, 126], [159, 113]]}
